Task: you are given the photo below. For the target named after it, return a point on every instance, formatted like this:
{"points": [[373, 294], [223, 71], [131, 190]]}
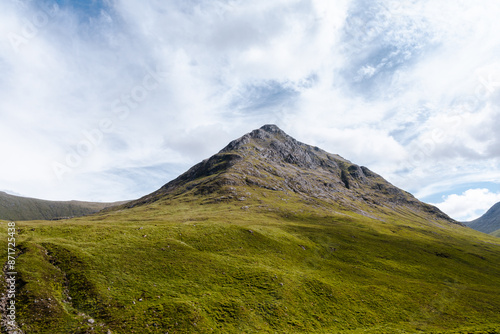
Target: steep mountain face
{"points": [[489, 222], [268, 158], [23, 208]]}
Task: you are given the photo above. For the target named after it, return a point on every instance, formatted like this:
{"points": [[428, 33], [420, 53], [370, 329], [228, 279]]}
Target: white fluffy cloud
{"points": [[131, 93], [469, 205]]}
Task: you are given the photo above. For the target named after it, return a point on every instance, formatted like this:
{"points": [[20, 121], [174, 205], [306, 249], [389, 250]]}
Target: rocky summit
{"points": [[268, 158]]}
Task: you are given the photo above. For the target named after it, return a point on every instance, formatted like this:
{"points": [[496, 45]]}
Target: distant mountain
{"points": [[23, 208], [268, 158], [489, 222]]}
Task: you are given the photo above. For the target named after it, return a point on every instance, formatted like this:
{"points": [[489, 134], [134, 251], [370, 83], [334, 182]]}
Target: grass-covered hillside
{"points": [[268, 236], [23, 208], [267, 264]]}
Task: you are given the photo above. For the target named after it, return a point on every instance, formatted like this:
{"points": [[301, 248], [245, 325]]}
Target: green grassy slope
{"points": [[270, 263], [496, 233], [23, 208]]}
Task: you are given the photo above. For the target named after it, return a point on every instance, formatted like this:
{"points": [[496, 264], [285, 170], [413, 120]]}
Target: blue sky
{"points": [[110, 99], [85, 9]]}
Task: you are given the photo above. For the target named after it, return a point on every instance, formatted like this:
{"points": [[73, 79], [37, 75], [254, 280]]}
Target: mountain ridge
{"points": [[27, 208], [489, 222]]}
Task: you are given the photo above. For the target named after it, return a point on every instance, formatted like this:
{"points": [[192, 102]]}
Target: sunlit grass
{"points": [[267, 264]]}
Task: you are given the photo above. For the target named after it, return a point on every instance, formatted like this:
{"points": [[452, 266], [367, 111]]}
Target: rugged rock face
{"points": [[268, 158], [489, 222]]}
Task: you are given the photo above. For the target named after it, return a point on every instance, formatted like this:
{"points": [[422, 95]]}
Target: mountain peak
{"points": [[267, 133], [267, 159], [272, 128]]}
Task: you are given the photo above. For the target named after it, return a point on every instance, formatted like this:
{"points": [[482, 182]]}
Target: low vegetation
{"points": [[264, 262]]}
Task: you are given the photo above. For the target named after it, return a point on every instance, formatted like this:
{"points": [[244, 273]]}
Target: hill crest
{"points": [[26, 208]]}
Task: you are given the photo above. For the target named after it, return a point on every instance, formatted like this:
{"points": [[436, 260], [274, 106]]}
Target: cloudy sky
{"points": [[107, 100]]}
